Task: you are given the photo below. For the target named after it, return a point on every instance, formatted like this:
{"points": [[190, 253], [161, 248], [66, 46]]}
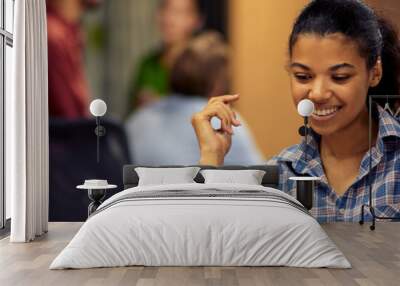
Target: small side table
{"points": [[96, 192]]}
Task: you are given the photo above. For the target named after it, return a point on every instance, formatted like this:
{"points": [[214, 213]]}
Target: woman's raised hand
{"points": [[215, 144]]}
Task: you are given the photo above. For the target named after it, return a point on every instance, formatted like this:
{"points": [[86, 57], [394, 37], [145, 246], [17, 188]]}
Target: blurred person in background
{"points": [[161, 133], [177, 20], [68, 89]]}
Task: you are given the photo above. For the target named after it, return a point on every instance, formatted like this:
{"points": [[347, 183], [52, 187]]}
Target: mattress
{"points": [[201, 225]]}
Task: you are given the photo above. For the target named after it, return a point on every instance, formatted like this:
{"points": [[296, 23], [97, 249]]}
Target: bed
{"points": [[201, 224]]}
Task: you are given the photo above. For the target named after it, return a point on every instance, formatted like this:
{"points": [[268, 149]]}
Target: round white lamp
{"points": [[305, 107], [305, 185], [98, 108]]}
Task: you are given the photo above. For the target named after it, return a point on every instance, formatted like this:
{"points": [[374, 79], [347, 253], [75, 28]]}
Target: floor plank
{"points": [[374, 255]]}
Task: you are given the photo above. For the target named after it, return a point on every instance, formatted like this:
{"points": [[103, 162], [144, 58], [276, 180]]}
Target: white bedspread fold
{"points": [[144, 226]]}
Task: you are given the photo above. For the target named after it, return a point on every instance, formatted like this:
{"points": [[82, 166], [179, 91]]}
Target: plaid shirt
{"points": [[327, 205]]}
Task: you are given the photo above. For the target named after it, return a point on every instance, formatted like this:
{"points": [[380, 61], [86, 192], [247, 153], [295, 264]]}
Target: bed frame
{"points": [[270, 179]]}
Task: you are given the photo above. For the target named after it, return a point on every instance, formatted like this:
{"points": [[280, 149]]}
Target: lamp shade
{"points": [[98, 107], [305, 107]]}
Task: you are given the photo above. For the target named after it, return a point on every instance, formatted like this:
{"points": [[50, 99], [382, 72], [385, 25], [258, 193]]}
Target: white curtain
{"points": [[27, 165]]}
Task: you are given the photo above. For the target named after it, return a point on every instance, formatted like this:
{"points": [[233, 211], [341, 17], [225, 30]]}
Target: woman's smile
{"points": [[325, 114], [335, 77]]}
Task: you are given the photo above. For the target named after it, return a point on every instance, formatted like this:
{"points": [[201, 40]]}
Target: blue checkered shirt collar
{"points": [[305, 158]]}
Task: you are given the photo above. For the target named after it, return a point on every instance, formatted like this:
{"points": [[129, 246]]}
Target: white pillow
{"points": [[248, 177], [163, 176]]}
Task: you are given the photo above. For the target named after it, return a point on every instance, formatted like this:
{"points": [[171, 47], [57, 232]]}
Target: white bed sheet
{"points": [[200, 232]]}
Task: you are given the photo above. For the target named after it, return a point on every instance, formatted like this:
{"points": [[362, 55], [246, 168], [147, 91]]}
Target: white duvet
{"points": [[203, 231]]}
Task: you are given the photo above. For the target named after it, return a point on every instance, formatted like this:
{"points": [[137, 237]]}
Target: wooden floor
{"points": [[375, 257]]}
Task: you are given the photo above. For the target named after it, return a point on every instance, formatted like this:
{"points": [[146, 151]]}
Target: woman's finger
{"points": [[218, 111], [232, 115], [227, 122], [227, 100], [224, 98]]}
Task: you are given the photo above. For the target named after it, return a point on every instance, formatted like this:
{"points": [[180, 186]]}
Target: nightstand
{"points": [[96, 192]]}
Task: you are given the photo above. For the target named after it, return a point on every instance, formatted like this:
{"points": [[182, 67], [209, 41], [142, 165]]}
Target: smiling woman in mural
{"points": [[340, 52]]}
